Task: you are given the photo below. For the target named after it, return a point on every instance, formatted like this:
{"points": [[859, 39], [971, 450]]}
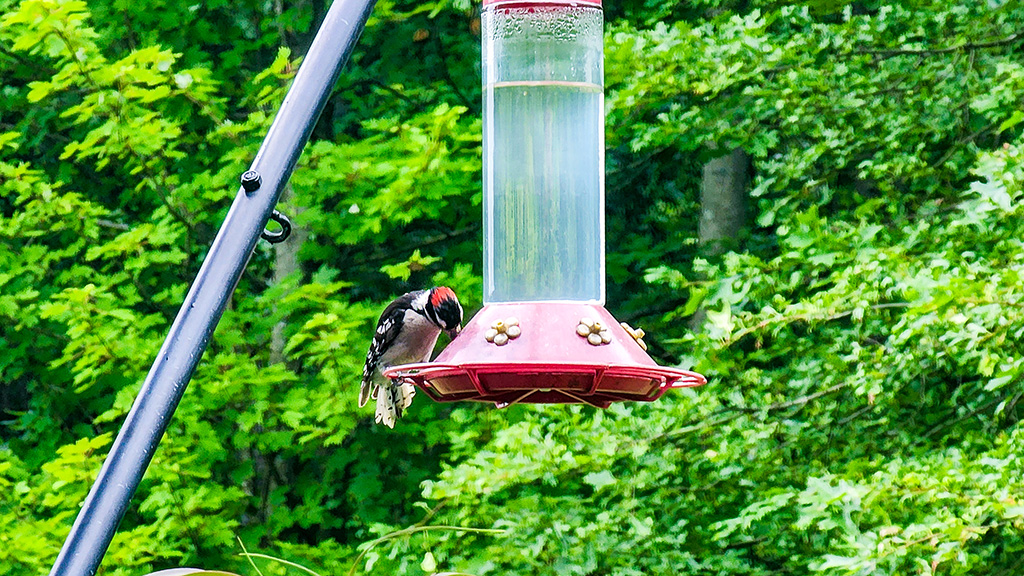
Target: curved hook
{"points": [[282, 234]]}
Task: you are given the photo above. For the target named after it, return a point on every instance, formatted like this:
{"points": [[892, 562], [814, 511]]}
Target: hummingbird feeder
{"points": [[543, 335]]}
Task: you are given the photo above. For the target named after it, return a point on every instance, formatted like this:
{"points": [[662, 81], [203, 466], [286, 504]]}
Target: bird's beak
{"points": [[454, 332]]}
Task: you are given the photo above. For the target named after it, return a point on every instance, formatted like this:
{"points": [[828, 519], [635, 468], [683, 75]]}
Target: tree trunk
{"points": [[723, 202], [723, 209], [286, 262]]}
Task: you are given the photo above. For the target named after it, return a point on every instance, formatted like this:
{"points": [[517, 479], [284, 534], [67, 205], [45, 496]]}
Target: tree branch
{"points": [[801, 401], [380, 257], [888, 53], [809, 317], [14, 56], [442, 51], [954, 421], [737, 411], [115, 225]]}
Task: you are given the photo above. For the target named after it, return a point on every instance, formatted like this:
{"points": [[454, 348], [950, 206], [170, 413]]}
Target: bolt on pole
{"points": [[190, 333]]}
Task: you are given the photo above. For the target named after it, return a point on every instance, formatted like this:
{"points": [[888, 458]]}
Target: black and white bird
{"points": [[406, 333]]}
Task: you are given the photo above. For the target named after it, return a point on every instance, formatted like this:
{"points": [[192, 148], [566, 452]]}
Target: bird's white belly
{"points": [[415, 344]]}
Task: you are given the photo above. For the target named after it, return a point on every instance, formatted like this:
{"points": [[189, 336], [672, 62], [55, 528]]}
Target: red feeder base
{"points": [[550, 353]]}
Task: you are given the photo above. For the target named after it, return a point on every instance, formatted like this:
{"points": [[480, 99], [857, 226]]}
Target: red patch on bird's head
{"points": [[440, 294]]}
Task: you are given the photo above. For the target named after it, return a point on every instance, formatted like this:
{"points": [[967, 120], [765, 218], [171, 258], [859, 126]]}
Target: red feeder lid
{"points": [[545, 353], [528, 3]]}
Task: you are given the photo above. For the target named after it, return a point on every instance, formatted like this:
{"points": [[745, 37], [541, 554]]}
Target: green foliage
{"points": [[863, 343]]}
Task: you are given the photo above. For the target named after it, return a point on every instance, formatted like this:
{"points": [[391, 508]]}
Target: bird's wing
{"points": [[388, 327]]}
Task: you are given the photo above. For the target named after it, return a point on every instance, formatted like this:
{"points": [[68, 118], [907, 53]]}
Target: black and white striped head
{"points": [[442, 308]]}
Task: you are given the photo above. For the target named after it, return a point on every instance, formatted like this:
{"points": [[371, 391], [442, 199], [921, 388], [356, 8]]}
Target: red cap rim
{"points": [[529, 3]]}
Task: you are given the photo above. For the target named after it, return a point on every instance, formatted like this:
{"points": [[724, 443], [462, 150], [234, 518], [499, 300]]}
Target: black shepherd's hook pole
{"points": [[261, 188]]}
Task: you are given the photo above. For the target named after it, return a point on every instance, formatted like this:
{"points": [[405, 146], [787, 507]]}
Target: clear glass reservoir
{"points": [[543, 151]]}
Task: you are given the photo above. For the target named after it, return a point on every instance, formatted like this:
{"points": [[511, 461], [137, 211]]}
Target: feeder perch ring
{"points": [[597, 386]]}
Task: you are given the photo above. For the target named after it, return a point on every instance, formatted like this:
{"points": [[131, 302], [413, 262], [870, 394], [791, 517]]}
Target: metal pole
{"points": [[201, 311]]}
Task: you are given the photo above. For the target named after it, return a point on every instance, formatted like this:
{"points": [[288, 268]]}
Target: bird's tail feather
{"points": [[366, 391], [392, 399]]}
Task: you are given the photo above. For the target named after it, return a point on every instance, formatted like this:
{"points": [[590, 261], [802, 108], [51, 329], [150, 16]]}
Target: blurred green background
{"points": [[860, 319]]}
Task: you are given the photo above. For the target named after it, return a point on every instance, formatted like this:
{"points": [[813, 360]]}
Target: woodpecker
{"points": [[406, 332]]}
